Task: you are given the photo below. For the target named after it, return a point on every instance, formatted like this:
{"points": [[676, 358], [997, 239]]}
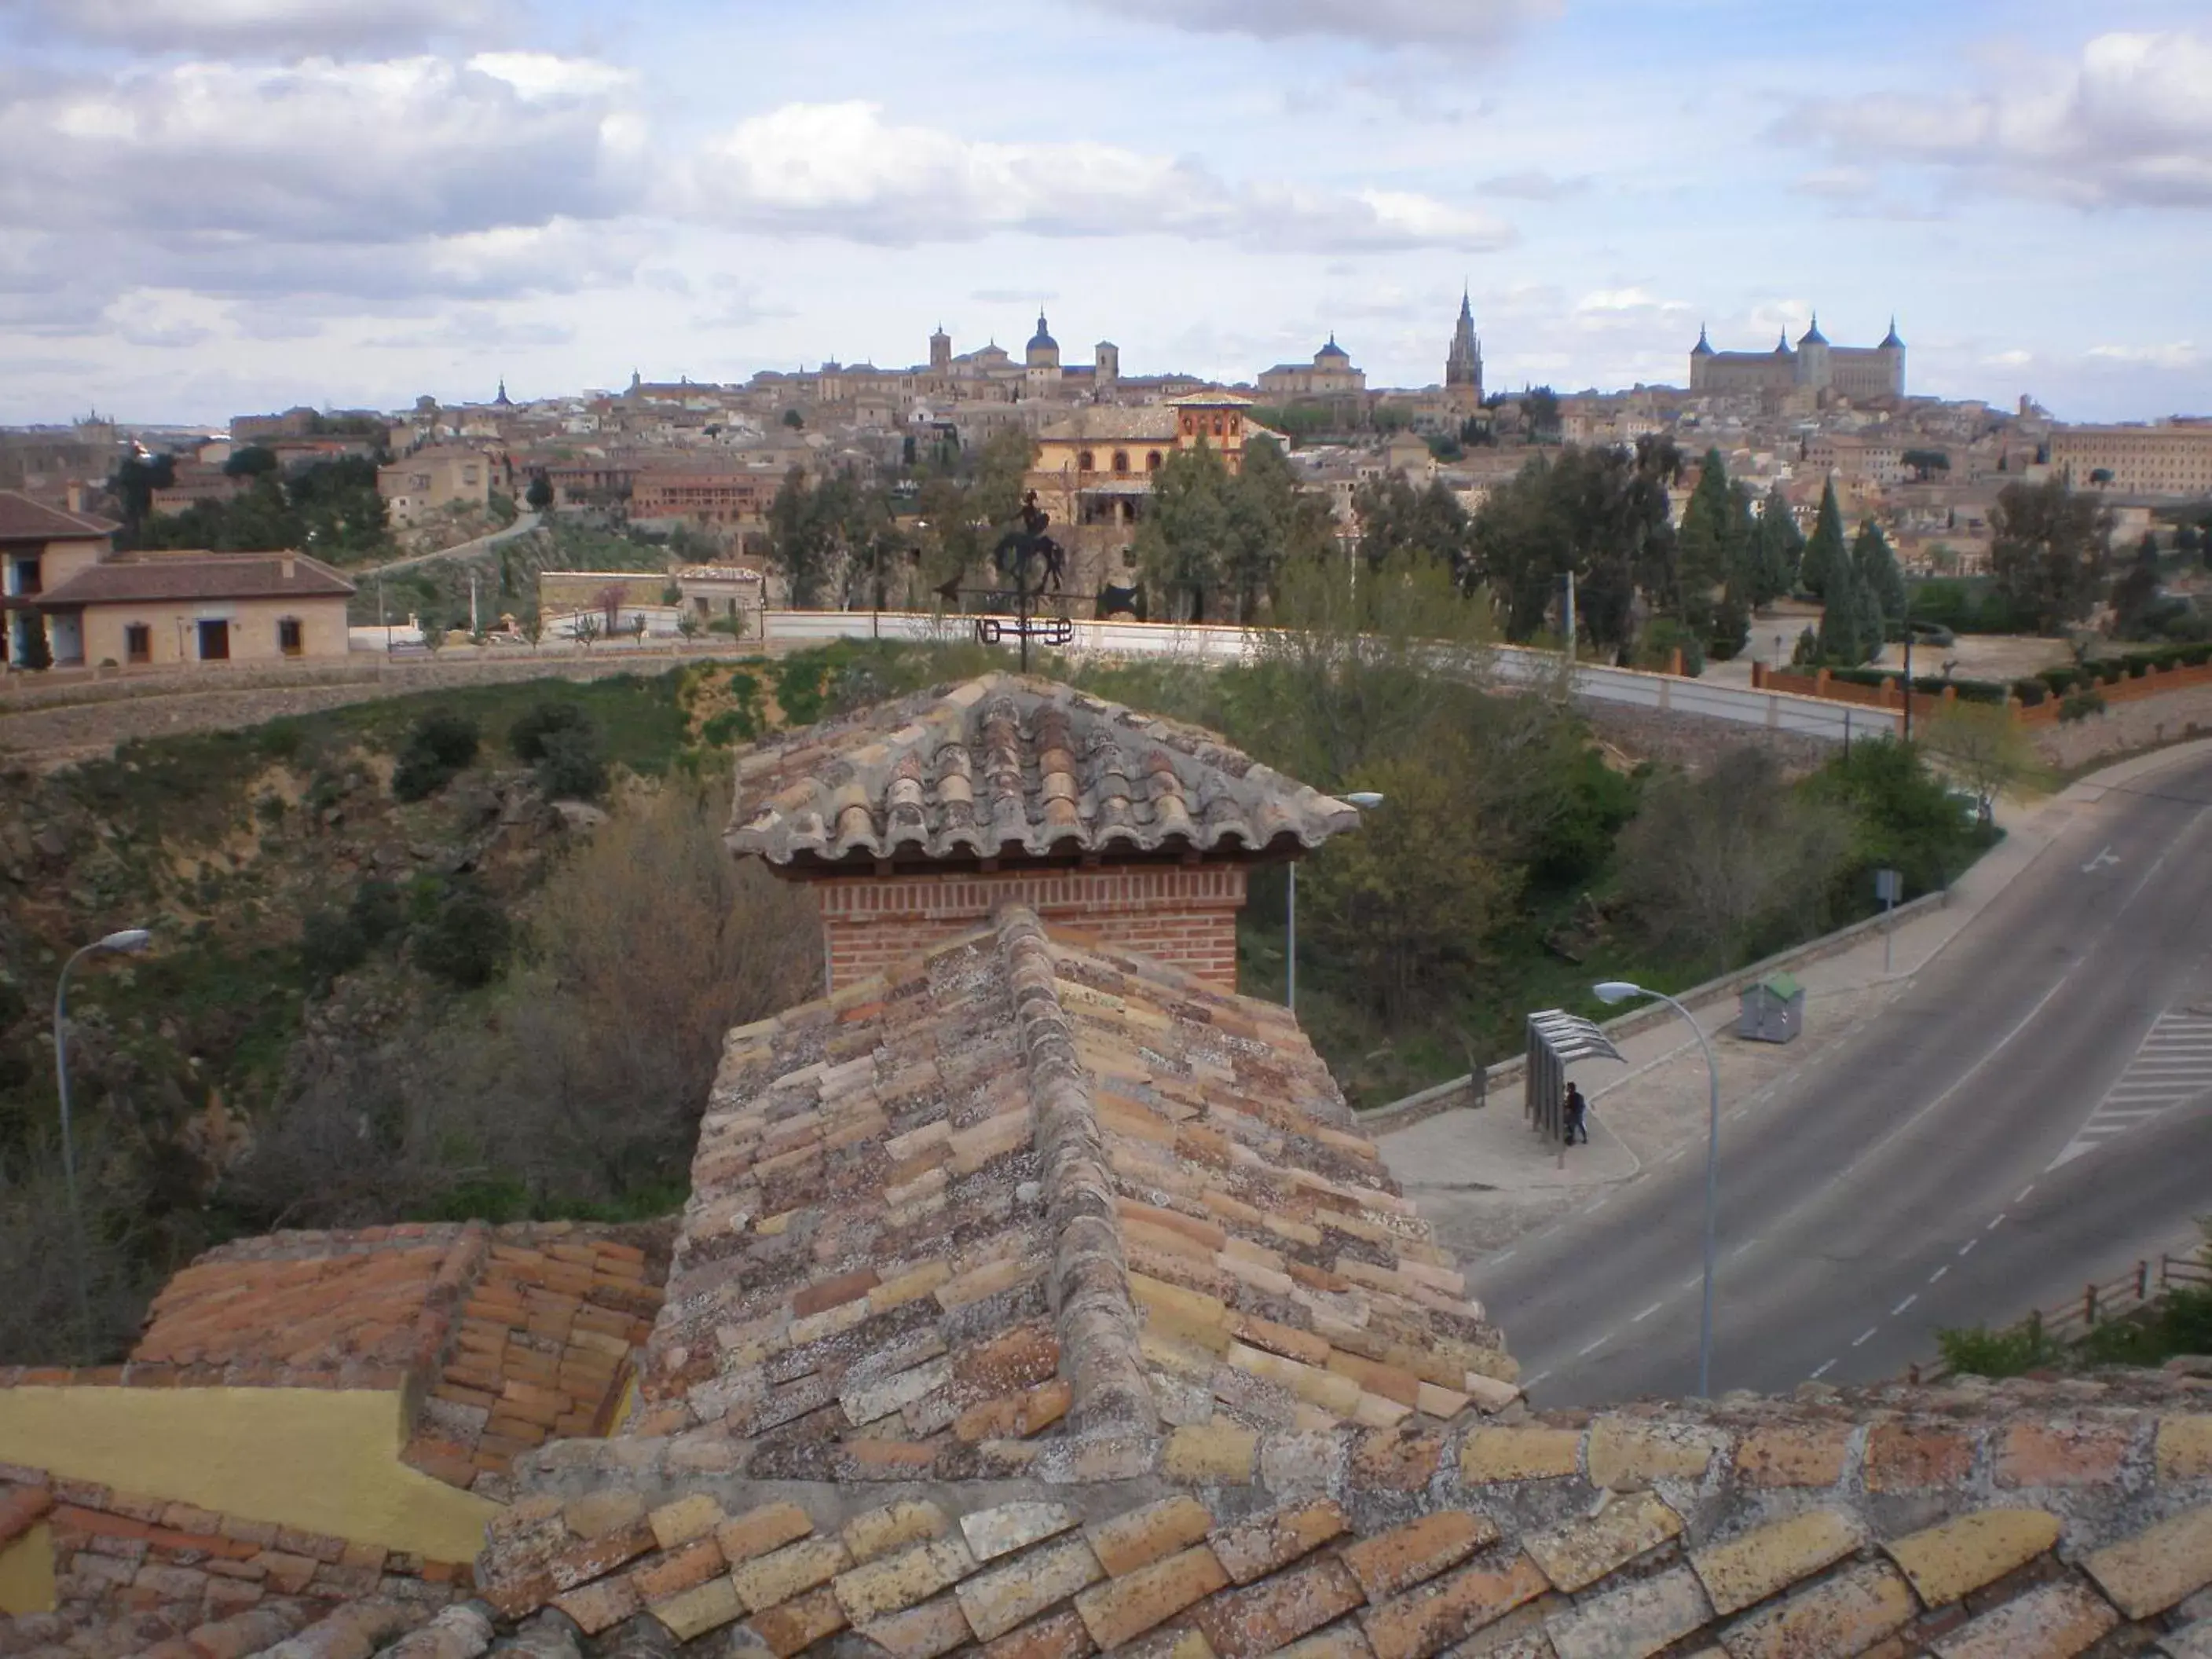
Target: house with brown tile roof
{"points": [[153, 608], [1039, 1298], [40, 547]]}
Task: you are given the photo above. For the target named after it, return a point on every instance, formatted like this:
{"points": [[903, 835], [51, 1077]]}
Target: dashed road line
{"points": [[1826, 1365], [1527, 1383], [1647, 1313], [2024, 1192], [1864, 1336], [1994, 1219], [1968, 1246], [1939, 1273], [1903, 1305], [1593, 1348]]}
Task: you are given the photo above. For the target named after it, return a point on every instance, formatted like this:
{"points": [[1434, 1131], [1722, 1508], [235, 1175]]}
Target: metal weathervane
{"points": [[1030, 564]]}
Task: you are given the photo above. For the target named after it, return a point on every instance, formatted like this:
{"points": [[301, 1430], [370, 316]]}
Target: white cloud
{"points": [[2126, 123], [270, 28], [1452, 23], [840, 170], [2174, 354], [1536, 185], [319, 150], [1838, 184]]}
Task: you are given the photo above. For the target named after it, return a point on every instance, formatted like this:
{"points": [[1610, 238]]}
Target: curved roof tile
{"points": [[1008, 766]]}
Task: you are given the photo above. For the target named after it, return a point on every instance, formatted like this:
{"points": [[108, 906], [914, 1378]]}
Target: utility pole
{"points": [[1571, 614]]}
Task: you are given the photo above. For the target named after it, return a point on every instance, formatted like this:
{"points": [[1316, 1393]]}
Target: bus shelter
{"points": [[1556, 1041]]}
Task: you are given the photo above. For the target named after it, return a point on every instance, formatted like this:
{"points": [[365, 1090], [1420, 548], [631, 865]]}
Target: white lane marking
{"points": [[1864, 1336], [1939, 1273], [2024, 1192], [1826, 1365], [1508, 1255], [1646, 1314], [2108, 856], [1532, 1381], [1994, 1219], [2162, 1073], [1968, 1245], [1903, 1305], [1593, 1348], [1693, 1281]]}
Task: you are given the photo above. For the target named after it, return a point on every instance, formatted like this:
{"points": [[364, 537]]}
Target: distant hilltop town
{"points": [[709, 458]]}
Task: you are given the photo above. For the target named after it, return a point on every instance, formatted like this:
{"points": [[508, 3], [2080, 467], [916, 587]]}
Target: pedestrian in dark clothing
{"points": [[1578, 1122]]}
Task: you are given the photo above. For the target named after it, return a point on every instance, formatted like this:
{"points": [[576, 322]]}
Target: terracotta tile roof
{"points": [[1021, 1188], [1760, 1528], [1115, 423], [23, 520], [515, 1334], [136, 1574], [156, 577], [1006, 766]]}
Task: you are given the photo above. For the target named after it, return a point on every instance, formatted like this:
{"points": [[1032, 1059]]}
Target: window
{"points": [[289, 638], [1085, 460], [25, 574], [1190, 425], [1217, 426], [137, 643], [1120, 461], [1153, 462]]}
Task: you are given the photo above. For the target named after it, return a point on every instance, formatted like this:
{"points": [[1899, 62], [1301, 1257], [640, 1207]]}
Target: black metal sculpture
{"points": [[1017, 559], [1114, 601]]}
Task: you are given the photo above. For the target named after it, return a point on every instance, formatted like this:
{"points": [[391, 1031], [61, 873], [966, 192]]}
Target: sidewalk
{"points": [[1495, 1176]]}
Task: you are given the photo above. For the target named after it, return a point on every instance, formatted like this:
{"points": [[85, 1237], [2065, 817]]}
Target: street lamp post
{"points": [[127, 940], [1364, 799], [1615, 990]]}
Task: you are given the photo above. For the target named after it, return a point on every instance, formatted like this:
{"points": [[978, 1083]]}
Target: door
{"points": [[215, 642]]}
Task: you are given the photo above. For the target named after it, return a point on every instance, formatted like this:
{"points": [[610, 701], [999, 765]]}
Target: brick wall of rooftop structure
{"points": [[1184, 916]]}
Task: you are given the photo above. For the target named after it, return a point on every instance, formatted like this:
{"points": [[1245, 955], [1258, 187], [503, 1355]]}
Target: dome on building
{"points": [[1704, 347], [1813, 335], [1332, 352], [1042, 340]]}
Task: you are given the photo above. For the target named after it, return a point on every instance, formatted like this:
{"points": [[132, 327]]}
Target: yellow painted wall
{"points": [[253, 635], [325, 1460], [27, 1573]]}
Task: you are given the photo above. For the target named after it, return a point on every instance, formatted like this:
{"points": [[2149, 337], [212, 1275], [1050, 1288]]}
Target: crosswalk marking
{"points": [[2173, 1064]]}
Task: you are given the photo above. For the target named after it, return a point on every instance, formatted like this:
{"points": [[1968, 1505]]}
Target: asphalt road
{"points": [[1905, 1183]]}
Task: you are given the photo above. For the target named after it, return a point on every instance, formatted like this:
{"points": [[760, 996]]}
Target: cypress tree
{"points": [[1781, 546], [1843, 621], [1705, 544], [1825, 553], [1875, 567]]}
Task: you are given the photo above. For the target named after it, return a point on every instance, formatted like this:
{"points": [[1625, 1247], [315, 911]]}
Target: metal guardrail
{"points": [[2098, 1305], [1776, 711]]}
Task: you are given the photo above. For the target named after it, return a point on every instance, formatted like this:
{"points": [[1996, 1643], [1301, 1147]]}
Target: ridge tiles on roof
{"points": [[1012, 766], [1022, 1186]]}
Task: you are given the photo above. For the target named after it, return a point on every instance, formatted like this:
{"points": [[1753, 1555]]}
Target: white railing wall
{"points": [[1778, 711]]}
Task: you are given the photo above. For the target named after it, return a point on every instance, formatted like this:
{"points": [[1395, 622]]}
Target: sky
{"points": [[210, 207]]}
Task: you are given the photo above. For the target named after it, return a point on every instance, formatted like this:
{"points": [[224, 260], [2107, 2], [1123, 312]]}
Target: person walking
{"points": [[1577, 1118]]}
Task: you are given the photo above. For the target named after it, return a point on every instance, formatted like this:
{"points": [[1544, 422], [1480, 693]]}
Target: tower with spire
{"points": [[1463, 363]]}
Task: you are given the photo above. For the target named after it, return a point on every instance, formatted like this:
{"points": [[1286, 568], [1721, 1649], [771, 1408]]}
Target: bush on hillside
{"points": [[526, 737], [465, 940], [571, 765], [439, 747]]}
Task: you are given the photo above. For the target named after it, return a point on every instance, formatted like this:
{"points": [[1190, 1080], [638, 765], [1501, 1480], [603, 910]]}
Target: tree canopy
{"points": [[2048, 550]]}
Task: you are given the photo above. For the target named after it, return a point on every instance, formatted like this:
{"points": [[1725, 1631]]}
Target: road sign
{"points": [[1889, 886]]}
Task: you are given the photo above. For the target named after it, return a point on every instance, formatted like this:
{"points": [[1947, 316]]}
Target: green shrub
{"points": [[1660, 638], [465, 941], [2059, 680], [2030, 692], [440, 745], [330, 943], [571, 766], [1980, 1352], [526, 737], [376, 910], [2081, 706], [731, 726]]}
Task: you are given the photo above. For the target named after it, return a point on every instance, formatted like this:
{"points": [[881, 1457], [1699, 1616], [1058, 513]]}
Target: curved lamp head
{"points": [[1363, 798], [130, 938], [1618, 990]]}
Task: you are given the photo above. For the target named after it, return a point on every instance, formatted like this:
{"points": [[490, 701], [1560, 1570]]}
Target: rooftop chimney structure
{"points": [[916, 821]]}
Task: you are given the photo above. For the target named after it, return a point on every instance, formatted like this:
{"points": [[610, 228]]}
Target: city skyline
{"points": [[263, 202]]}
